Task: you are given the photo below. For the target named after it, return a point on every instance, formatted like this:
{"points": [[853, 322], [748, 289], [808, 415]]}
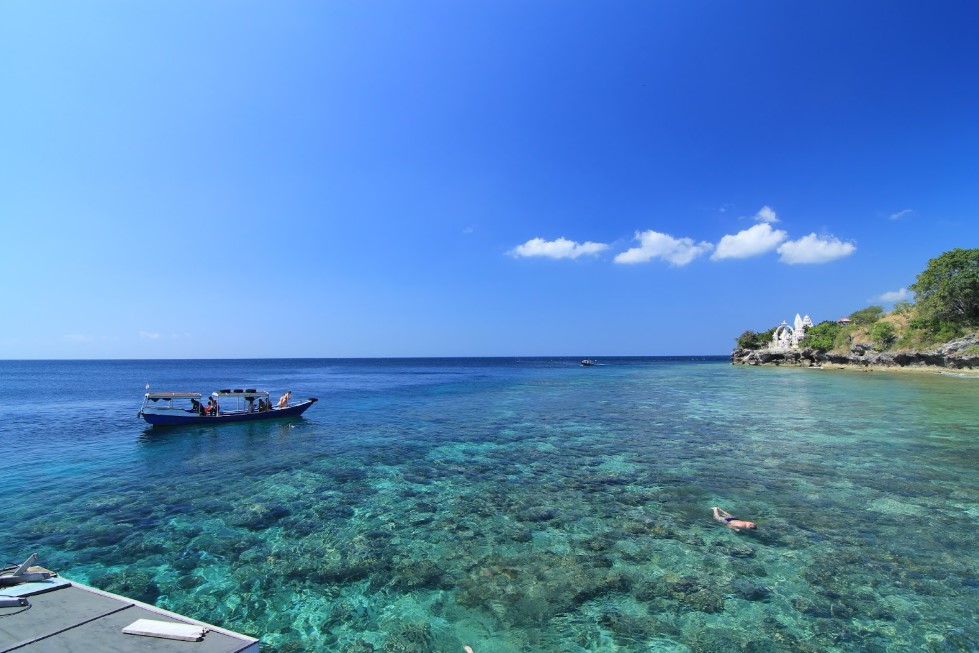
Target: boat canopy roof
{"points": [[173, 395], [241, 393]]}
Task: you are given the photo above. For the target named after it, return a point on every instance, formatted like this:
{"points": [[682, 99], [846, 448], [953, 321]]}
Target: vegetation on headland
{"points": [[946, 308]]}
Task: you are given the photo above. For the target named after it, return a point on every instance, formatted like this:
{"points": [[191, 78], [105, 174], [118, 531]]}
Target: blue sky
{"points": [[484, 178]]}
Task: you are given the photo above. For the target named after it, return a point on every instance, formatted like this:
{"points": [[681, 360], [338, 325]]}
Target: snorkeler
{"points": [[728, 520]]}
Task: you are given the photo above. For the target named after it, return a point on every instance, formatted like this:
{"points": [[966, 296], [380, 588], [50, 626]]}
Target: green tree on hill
{"points": [[753, 340], [947, 292], [883, 335], [821, 336], [867, 315]]}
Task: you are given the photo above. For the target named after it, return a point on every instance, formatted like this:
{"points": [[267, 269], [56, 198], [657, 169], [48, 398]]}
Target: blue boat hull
{"points": [[178, 418]]}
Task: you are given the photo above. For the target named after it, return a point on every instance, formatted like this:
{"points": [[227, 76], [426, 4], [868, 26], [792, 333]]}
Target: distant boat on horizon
{"points": [[587, 362]]}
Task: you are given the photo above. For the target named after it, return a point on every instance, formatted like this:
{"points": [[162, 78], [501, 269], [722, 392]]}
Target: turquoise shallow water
{"points": [[513, 505]]}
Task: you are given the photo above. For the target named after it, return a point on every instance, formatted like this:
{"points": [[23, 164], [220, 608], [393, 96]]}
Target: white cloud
{"points": [[146, 335], [560, 248], [901, 214], [652, 244], [755, 240], [815, 249], [77, 337], [766, 214], [895, 295]]}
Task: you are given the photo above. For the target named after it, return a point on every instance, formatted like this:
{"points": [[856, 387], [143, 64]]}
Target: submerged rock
{"points": [[189, 582], [135, 584], [628, 628], [740, 551], [410, 638], [538, 514], [600, 543], [521, 535], [418, 574], [343, 475], [679, 593], [258, 516], [712, 640], [751, 590]]}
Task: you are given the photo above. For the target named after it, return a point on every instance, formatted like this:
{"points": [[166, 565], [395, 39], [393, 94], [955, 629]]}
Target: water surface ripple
{"points": [[514, 505]]}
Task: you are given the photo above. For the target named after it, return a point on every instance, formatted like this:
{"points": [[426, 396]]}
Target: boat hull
{"points": [[182, 417]]}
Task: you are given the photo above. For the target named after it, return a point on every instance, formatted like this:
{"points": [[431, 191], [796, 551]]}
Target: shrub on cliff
{"points": [[883, 334], [753, 340], [821, 336], [927, 331]]}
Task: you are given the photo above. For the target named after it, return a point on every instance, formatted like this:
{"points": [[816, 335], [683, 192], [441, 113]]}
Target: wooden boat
{"points": [[176, 408]]}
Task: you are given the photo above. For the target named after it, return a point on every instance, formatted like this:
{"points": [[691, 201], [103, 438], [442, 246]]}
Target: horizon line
{"points": [[340, 358]]}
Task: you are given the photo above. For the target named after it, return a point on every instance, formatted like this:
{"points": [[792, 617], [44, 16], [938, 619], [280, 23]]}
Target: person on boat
{"points": [[729, 520], [284, 399]]}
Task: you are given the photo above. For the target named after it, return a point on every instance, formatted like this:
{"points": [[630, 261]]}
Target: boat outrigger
{"points": [[174, 408]]}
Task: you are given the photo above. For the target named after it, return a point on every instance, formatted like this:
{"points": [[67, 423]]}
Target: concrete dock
{"points": [[57, 615]]}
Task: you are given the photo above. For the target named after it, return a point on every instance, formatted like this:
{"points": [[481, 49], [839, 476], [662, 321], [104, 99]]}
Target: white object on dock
{"points": [[166, 630]]}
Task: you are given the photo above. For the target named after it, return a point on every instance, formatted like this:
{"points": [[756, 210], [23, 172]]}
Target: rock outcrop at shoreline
{"points": [[961, 354]]}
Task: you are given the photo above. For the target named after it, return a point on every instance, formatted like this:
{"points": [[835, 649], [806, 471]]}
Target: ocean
{"points": [[512, 505]]}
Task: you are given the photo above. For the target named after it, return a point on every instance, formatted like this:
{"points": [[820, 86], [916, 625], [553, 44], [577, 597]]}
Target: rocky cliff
{"points": [[961, 354]]}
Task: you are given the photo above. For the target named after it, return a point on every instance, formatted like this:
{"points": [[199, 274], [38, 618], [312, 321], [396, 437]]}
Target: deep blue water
{"points": [[512, 504]]}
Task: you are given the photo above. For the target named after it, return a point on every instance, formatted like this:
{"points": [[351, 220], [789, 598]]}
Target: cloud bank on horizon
{"points": [[756, 240]]}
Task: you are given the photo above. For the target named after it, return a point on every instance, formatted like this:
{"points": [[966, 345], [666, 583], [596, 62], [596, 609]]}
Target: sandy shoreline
{"points": [[853, 367], [904, 369]]}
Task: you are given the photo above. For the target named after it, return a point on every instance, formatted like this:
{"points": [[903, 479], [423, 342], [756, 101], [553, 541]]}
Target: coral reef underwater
{"points": [[548, 511]]}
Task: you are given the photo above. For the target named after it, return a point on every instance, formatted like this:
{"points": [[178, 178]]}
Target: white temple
{"points": [[788, 337]]}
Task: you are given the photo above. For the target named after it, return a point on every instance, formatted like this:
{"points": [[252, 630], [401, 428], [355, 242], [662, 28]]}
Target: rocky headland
{"points": [[961, 354]]}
